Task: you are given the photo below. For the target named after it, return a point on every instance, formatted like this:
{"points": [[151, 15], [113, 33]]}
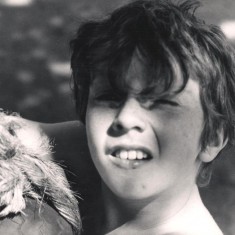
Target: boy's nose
{"points": [[129, 117]]}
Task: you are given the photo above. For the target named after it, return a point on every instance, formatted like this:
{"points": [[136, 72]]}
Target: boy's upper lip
{"points": [[111, 149]]}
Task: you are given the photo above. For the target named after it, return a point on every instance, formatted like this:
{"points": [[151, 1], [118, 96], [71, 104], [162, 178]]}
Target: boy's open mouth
{"points": [[131, 154], [129, 157]]}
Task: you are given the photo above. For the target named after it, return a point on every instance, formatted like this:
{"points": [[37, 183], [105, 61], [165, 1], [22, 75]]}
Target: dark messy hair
{"points": [[174, 43]]}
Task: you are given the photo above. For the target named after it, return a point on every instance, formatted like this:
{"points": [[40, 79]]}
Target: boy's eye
{"points": [[109, 98], [160, 102], [166, 102]]}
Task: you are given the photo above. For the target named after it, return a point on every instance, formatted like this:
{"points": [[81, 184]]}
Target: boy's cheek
{"points": [[99, 116], [96, 124]]}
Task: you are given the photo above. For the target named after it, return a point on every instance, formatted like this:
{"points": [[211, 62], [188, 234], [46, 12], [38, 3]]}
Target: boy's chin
{"points": [[132, 192]]}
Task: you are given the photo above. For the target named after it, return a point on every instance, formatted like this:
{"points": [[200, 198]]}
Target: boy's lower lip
{"points": [[126, 163]]}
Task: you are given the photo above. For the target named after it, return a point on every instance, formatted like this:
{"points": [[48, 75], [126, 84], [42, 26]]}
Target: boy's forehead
{"points": [[137, 73], [100, 83], [137, 77]]}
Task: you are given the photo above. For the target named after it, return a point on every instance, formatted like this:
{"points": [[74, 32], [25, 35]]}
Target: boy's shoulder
{"points": [[195, 220], [195, 228], [192, 219], [202, 222], [201, 227]]}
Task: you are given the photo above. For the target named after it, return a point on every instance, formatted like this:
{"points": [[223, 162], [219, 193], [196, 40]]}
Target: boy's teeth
{"points": [[131, 154], [141, 155], [123, 154]]}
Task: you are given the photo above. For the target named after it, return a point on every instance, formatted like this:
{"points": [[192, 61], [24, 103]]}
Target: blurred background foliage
{"points": [[35, 72]]}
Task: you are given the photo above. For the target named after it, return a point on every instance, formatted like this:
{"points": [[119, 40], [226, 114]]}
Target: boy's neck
{"points": [[145, 214]]}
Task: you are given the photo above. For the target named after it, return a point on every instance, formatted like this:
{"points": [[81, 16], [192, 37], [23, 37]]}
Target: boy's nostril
{"points": [[117, 126]]}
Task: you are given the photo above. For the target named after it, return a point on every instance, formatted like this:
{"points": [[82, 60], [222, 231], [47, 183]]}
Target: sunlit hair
{"points": [[174, 43], [27, 171]]}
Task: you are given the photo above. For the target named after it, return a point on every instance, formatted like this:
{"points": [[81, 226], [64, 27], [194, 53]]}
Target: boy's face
{"points": [[144, 150]]}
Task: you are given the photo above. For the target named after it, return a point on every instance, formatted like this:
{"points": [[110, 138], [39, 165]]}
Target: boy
{"points": [[154, 86]]}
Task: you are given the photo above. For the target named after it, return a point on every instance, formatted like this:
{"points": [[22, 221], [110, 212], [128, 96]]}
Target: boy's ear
{"points": [[213, 148]]}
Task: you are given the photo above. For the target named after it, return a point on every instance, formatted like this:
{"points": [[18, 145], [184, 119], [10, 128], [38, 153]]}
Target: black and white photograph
{"points": [[117, 117]]}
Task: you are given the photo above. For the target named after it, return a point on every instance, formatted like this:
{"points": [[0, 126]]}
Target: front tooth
{"points": [[123, 154], [140, 155], [132, 155]]}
